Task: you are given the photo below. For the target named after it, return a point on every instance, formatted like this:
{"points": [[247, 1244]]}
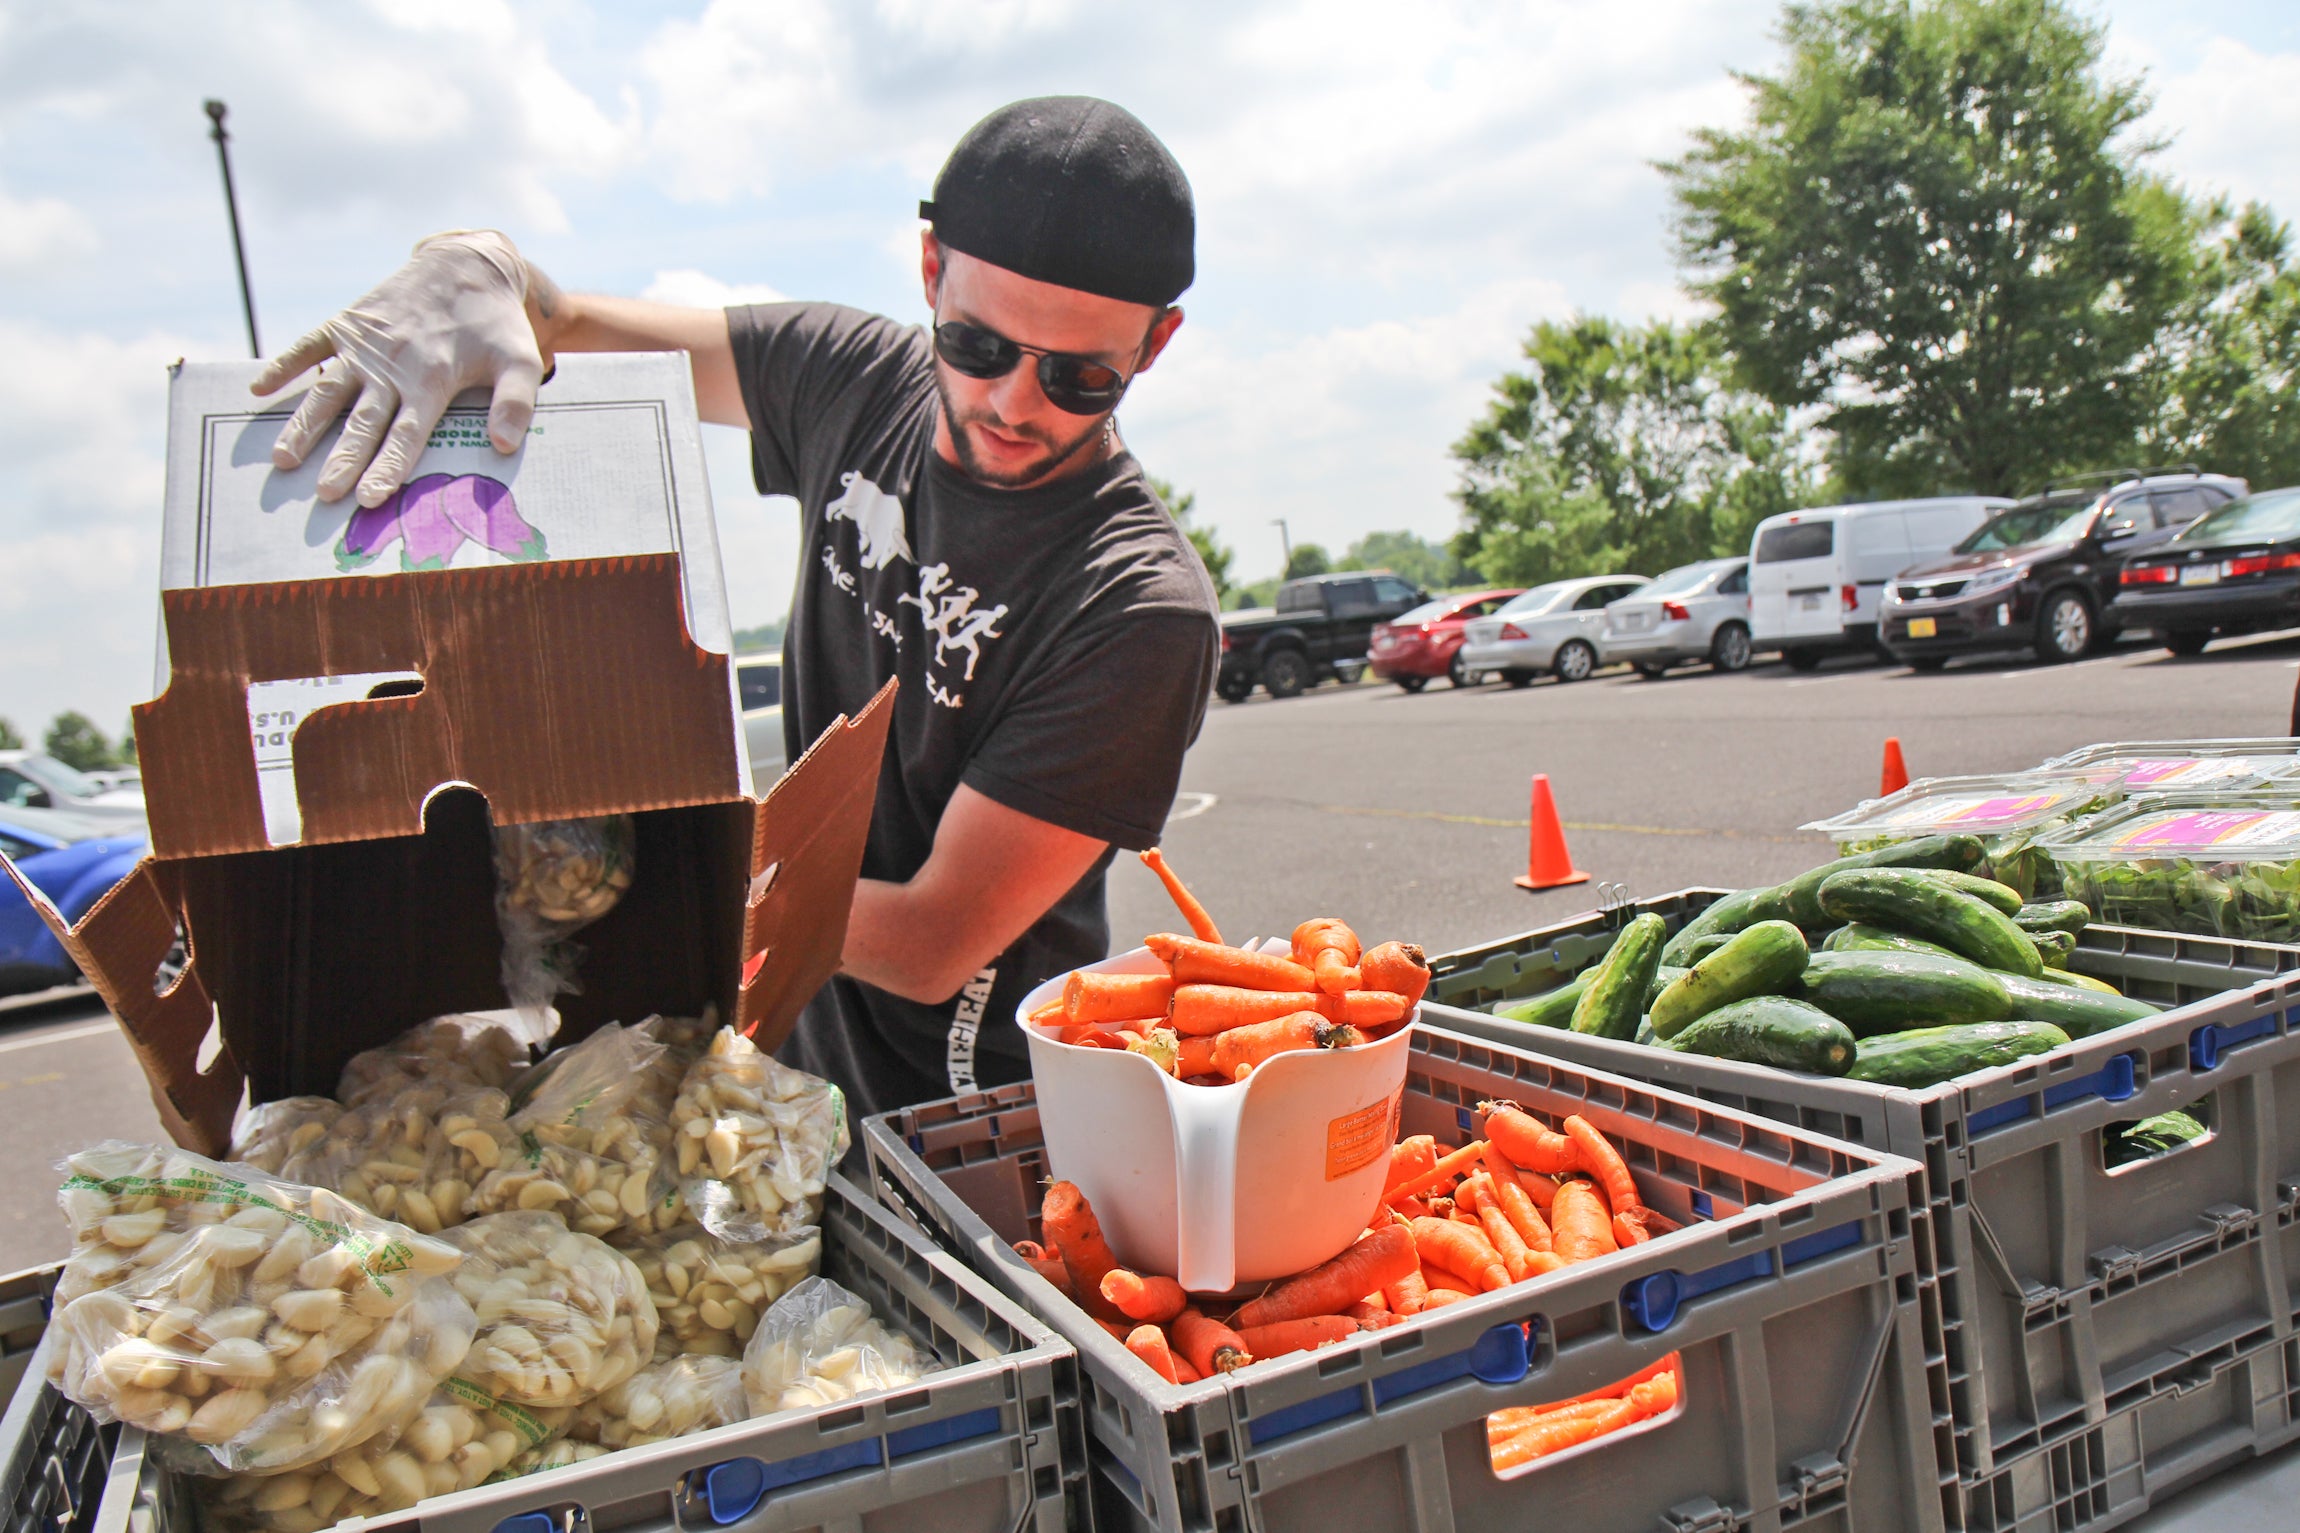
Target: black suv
{"points": [[2041, 575], [1322, 627]]}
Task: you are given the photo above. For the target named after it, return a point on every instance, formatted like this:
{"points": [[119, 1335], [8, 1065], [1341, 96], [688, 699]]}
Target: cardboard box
{"points": [[324, 758]]}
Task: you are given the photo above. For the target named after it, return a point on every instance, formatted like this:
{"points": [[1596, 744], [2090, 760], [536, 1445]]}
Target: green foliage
{"points": [[1939, 230], [1212, 551], [10, 740], [1432, 566], [1262, 593], [1621, 448], [1307, 559], [2219, 390], [128, 743], [767, 637], [75, 740]]}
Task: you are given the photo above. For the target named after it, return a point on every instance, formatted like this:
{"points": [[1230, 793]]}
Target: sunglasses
{"points": [[1074, 384]]}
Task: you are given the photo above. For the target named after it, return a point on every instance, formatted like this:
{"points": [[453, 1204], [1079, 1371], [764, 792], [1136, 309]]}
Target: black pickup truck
{"points": [[1319, 630]]}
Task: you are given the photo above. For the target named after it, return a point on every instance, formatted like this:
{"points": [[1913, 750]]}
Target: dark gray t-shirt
{"points": [[1055, 645]]}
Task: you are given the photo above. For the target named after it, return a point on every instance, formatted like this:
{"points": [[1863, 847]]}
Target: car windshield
{"points": [[2273, 515], [2060, 521], [1539, 599], [1427, 612], [68, 779], [1670, 582]]}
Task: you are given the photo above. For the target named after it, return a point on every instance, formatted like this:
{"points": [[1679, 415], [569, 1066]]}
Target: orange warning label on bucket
{"points": [[1355, 1140]]}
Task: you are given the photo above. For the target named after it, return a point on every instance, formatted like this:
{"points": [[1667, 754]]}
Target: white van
{"points": [[1816, 577]]}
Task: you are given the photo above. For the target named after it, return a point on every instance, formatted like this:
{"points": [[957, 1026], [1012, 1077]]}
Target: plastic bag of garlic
{"points": [[756, 1140], [552, 879], [820, 1343], [663, 1400], [562, 1315], [585, 1139], [709, 1293], [273, 1324]]}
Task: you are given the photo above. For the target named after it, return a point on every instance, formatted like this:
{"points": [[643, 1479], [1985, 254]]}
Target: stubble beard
{"points": [[1060, 456]]}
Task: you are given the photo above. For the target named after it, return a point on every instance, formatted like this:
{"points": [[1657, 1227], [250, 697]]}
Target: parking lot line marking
{"points": [[84, 1030], [1822, 681], [1444, 818], [1198, 805]]}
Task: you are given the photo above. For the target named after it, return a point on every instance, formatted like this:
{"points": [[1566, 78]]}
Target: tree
{"points": [[1939, 229], [1212, 552], [127, 749], [1432, 566], [1621, 448], [752, 641], [9, 739], [1307, 559], [2221, 380], [75, 740]]}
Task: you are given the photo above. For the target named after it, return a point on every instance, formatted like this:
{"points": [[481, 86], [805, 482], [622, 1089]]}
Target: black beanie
{"points": [[1072, 191]]}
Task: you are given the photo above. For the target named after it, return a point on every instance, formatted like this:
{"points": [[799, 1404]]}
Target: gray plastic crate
{"points": [[1790, 1296], [991, 1443], [2058, 1295], [52, 1453]]}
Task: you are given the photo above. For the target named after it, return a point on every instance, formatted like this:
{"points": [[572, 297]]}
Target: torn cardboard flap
{"points": [[305, 955]]}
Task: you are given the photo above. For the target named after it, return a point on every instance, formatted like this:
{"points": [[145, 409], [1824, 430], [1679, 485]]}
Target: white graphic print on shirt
{"points": [[947, 610], [877, 515]]}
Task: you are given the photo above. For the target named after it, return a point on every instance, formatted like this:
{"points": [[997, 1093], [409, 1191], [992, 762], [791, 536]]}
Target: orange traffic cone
{"points": [[1896, 776], [1548, 865]]}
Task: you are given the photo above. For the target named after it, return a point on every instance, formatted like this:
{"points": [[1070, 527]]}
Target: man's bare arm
{"points": [[993, 872], [593, 322]]}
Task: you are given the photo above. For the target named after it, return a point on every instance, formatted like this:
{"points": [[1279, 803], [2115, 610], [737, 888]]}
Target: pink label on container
{"points": [[2205, 828], [1977, 813]]}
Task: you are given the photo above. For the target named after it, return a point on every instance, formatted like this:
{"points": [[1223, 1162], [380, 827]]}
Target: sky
{"points": [[1388, 197]]}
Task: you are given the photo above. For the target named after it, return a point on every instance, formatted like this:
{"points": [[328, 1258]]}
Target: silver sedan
{"points": [[1695, 612], [1555, 627]]}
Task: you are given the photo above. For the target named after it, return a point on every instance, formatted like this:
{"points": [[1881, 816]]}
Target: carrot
{"points": [[1520, 1414], [1194, 962], [1372, 1317], [1153, 1299], [1363, 1008], [1436, 1275], [1211, 1346], [1656, 1394], [1538, 1262], [1462, 1250], [1049, 1266], [1259, 1041], [1118, 1328], [1411, 1207], [1499, 1230], [1094, 1035], [1398, 967], [1148, 1343], [1188, 1374], [1407, 1294], [1328, 949], [1051, 1012], [1629, 1231], [1545, 1438], [1091, 997], [1542, 1189], [1301, 1335], [1527, 1141], [1408, 1159], [1377, 1259], [1445, 1170], [1068, 1220], [1192, 912], [1440, 1297], [1583, 1226], [1201, 1010], [1515, 1419], [1194, 1056], [1516, 1203], [1379, 1299], [1602, 1161]]}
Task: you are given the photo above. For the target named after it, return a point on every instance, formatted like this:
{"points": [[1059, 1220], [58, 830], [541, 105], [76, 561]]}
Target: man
{"points": [[972, 524]]}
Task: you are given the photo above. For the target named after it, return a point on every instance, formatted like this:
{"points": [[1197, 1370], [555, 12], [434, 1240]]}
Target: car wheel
{"points": [[1285, 673], [1461, 675], [2064, 628], [1729, 647], [1575, 660], [2187, 641], [1518, 678], [1650, 671], [1929, 663], [1801, 659], [1233, 687], [1413, 683]]}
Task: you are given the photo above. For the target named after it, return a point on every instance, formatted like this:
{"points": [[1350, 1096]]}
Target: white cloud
{"points": [[700, 290], [2232, 118], [36, 232]]}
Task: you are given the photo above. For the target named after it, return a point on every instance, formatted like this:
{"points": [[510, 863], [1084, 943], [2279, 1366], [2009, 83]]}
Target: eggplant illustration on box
{"points": [[433, 517]]}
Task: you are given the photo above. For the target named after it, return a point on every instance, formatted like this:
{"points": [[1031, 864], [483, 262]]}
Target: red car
{"points": [[1414, 646]]}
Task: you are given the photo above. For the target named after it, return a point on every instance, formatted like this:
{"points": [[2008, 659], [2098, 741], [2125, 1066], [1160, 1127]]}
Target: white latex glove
{"points": [[454, 317]]}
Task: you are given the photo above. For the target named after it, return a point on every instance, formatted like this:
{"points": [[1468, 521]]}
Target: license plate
{"points": [[1923, 628], [1812, 603], [2200, 575], [1632, 622]]}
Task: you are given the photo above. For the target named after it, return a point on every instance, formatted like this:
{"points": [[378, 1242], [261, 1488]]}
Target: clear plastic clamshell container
{"points": [[2183, 766], [2213, 865], [2007, 813]]}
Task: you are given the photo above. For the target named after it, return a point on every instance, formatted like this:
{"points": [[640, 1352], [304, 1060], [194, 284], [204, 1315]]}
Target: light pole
{"points": [[215, 111], [1285, 539]]}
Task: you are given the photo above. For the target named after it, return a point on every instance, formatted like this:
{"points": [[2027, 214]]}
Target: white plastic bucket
{"points": [[1311, 1130]]}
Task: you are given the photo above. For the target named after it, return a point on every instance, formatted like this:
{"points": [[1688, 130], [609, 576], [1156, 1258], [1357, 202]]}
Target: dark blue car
{"points": [[71, 860]]}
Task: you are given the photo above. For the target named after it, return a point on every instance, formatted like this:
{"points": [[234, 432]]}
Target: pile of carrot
{"points": [[1522, 1434], [1217, 1012]]}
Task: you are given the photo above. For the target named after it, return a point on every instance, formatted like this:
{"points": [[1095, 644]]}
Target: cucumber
{"points": [[2077, 1012], [1860, 937], [1909, 900], [2004, 897], [1926, 1056], [1702, 947], [1801, 895], [1615, 999], [2053, 947], [1726, 916], [1645, 1032], [1886, 992], [2078, 981], [1770, 1030], [2122, 1144], [2053, 915], [1663, 978], [1758, 960], [1551, 1008]]}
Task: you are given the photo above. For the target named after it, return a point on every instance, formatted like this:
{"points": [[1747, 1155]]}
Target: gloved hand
{"points": [[454, 317]]}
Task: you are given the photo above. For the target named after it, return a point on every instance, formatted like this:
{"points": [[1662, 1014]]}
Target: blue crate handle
{"points": [[528, 1522], [731, 1490], [1654, 1299], [2115, 1081], [1502, 1354], [2206, 1044]]}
